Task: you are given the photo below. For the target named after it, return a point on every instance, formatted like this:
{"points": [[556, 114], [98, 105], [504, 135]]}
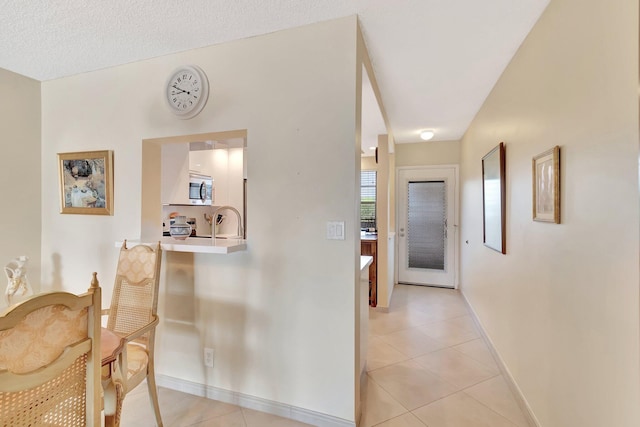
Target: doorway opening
{"points": [[427, 226]]}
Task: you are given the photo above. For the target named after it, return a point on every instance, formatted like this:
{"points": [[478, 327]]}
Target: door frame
{"points": [[456, 216]]}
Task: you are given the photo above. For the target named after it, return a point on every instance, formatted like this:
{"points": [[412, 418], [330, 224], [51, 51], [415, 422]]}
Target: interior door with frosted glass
{"points": [[426, 226]]}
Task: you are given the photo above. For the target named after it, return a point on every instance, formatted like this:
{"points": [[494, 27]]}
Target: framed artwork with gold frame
{"points": [[546, 186], [86, 182]]}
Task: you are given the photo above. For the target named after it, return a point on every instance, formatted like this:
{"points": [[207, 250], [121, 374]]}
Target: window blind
{"points": [[368, 199], [426, 224]]}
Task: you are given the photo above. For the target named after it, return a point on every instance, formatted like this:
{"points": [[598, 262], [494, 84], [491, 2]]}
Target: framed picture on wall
{"points": [[546, 186], [86, 182], [493, 199]]}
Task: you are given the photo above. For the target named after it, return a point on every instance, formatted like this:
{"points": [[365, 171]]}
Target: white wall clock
{"points": [[187, 90]]}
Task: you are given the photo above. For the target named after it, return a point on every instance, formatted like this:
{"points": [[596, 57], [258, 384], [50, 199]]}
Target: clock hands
{"points": [[183, 91]]}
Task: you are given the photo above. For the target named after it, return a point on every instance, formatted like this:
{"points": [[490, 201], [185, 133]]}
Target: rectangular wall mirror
{"points": [[493, 199]]}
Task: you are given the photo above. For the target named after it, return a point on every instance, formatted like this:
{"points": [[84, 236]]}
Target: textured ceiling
{"points": [[435, 61]]}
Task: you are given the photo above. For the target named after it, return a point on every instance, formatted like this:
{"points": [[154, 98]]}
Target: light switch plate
{"points": [[335, 230]]}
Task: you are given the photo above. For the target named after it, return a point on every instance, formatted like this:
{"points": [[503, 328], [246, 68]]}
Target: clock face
{"points": [[187, 91]]}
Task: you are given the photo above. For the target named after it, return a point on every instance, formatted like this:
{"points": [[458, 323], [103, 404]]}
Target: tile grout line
{"points": [[473, 329], [491, 369], [511, 384], [489, 407]]}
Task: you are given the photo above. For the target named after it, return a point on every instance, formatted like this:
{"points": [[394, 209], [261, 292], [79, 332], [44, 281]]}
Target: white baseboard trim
{"points": [[252, 402], [513, 386]]}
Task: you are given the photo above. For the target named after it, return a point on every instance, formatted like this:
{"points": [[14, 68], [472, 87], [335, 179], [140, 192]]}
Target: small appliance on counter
{"points": [[192, 223], [190, 215], [179, 229], [166, 231]]}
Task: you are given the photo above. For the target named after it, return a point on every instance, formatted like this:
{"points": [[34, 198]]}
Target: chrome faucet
{"points": [[231, 208]]}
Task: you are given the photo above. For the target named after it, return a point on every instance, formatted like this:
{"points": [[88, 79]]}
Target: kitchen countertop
{"points": [[196, 245], [365, 261], [369, 236], [372, 237]]}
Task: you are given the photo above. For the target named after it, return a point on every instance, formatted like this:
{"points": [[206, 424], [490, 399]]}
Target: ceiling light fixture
{"points": [[372, 148], [426, 135]]}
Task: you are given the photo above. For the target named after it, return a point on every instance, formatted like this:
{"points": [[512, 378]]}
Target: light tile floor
{"points": [[182, 409], [427, 367]]}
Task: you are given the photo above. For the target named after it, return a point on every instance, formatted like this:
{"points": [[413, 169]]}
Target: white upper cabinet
{"points": [[201, 161], [175, 174]]}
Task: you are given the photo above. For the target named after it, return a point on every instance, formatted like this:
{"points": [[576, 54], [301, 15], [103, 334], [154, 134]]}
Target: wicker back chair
{"points": [[133, 315], [50, 360]]}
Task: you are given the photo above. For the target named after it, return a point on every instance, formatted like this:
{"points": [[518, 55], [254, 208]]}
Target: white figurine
{"points": [[16, 272]]}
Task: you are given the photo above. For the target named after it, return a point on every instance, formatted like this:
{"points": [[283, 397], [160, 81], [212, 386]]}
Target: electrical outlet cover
{"points": [[208, 357]]}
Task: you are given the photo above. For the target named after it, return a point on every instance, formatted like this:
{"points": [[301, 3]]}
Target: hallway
{"points": [[429, 367]]}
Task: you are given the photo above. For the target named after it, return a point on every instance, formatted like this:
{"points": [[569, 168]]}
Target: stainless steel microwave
{"points": [[200, 189]]}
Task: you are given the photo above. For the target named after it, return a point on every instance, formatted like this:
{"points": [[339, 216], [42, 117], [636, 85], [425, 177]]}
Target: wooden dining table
{"points": [[111, 346]]}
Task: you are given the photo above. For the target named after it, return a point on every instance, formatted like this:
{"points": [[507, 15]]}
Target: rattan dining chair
{"points": [[133, 315], [50, 360]]}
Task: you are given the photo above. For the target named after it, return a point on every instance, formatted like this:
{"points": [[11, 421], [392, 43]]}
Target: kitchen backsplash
{"points": [[203, 228], [197, 212]]}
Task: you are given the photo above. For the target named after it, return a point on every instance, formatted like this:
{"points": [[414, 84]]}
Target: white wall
{"points": [[280, 315], [368, 163], [384, 251], [561, 306], [20, 178], [428, 153], [235, 185]]}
